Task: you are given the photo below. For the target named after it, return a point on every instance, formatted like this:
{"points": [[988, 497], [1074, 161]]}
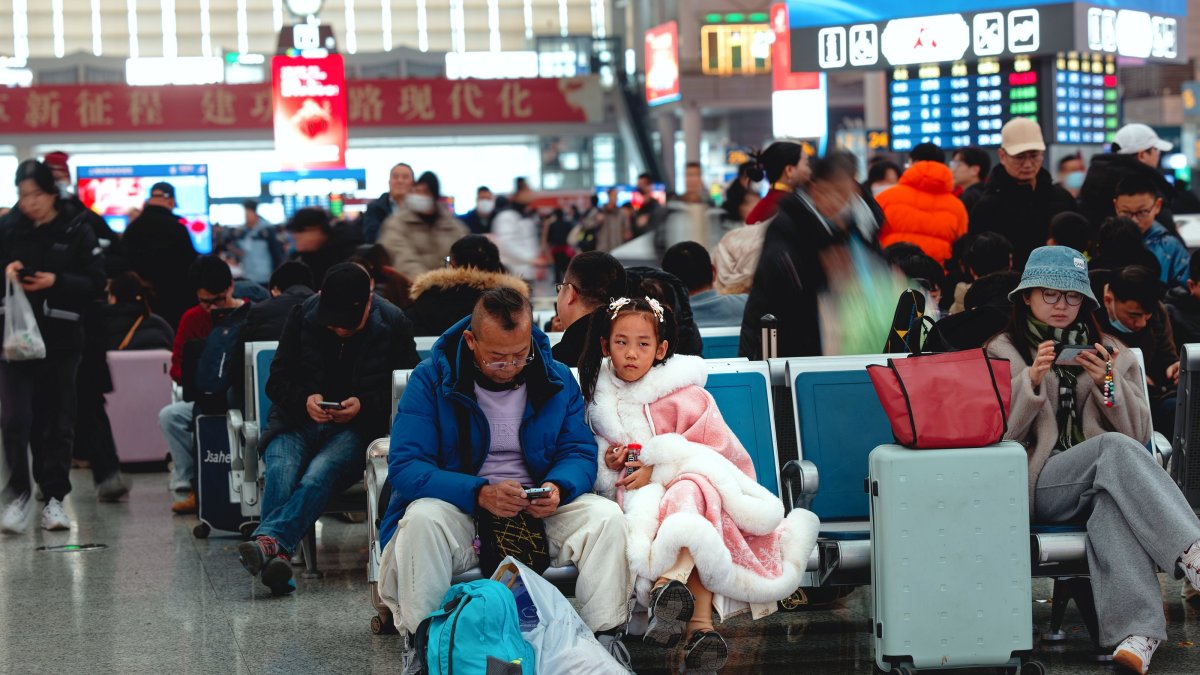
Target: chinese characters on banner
{"points": [[369, 103], [310, 111]]}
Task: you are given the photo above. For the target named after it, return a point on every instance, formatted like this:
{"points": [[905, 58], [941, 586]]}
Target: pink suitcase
{"points": [[141, 388]]}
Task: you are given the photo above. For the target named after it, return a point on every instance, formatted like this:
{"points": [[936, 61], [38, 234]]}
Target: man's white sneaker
{"points": [[1134, 654], [1190, 562], [16, 516], [54, 517]]}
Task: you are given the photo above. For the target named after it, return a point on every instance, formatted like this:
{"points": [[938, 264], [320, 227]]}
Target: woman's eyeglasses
{"points": [[1051, 297]]}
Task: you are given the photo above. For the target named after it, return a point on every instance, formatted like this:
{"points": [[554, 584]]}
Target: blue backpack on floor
{"points": [[475, 632]]}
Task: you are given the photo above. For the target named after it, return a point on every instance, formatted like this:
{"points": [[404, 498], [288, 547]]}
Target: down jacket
{"points": [[923, 210], [441, 298], [428, 458]]}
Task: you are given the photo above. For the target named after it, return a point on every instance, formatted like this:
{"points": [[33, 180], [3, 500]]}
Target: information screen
{"points": [[116, 191], [960, 104], [1085, 99], [324, 188]]}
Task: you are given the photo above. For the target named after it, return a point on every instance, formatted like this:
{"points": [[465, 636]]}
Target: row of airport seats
{"points": [[809, 425]]}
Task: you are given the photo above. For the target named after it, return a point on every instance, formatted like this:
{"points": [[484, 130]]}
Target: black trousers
{"points": [[93, 434], [37, 416]]}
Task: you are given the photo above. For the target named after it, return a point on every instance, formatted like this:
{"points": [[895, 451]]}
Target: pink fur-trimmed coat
{"points": [[703, 494]]}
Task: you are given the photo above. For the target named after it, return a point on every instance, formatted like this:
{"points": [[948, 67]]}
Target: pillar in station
{"points": [[875, 94], [667, 126], [693, 126]]}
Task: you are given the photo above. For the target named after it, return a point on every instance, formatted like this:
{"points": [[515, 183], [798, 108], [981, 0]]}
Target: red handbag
{"points": [[955, 400]]}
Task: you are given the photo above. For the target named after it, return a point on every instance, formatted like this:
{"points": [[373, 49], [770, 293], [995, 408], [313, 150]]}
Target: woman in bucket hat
{"points": [[1085, 425]]}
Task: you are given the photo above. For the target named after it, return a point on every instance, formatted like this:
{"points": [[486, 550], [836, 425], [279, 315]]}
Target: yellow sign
{"points": [[736, 49]]}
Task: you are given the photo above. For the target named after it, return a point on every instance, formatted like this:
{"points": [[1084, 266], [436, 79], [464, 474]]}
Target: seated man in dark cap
{"points": [[330, 386]]}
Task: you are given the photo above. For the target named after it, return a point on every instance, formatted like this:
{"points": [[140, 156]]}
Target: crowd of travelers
{"points": [[494, 428]]}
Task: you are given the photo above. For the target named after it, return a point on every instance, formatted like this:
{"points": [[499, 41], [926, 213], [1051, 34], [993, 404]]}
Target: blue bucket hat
{"points": [[1061, 268]]}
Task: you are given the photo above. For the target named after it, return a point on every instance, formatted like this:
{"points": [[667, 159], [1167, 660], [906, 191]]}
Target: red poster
{"points": [[309, 97], [394, 104], [662, 64], [783, 79]]}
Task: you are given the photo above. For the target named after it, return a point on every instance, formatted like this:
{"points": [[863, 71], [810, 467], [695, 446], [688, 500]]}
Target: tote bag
{"points": [[955, 400]]}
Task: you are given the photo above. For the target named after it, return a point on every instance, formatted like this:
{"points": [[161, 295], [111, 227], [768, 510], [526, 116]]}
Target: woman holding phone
{"points": [[1085, 424]]}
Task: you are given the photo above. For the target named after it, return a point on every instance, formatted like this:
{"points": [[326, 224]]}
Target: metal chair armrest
{"points": [[1162, 449], [801, 480], [236, 424]]}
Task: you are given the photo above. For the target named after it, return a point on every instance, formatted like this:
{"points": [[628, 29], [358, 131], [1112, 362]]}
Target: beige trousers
{"points": [[433, 543]]}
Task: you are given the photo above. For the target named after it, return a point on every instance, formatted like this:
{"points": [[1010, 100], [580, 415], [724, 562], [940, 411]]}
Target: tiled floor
{"points": [[159, 601]]}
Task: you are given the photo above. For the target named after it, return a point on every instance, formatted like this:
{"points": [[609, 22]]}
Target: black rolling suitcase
{"points": [[219, 502]]}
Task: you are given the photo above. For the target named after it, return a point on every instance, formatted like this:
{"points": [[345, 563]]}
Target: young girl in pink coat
{"points": [[703, 534]]}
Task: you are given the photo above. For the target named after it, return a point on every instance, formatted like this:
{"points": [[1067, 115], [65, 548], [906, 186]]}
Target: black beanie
{"points": [[39, 173]]}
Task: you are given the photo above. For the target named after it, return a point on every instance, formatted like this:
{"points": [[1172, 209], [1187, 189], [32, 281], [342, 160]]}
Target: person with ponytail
{"points": [[690, 482], [129, 323], [785, 166]]}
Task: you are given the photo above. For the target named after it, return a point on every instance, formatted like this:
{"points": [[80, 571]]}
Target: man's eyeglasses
{"points": [[1051, 297], [1034, 157], [1136, 215], [515, 363], [558, 287], [211, 302]]}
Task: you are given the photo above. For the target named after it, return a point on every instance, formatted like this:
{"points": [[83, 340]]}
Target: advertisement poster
{"points": [[662, 64], [309, 98]]}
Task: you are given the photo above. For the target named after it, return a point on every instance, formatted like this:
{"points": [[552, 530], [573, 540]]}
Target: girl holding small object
{"points": [[703, 534], [1082, 416]]}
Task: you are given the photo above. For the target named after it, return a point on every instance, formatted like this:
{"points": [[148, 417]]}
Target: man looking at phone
{"points": [[330, 390], [490, 414], [1133, 312]]}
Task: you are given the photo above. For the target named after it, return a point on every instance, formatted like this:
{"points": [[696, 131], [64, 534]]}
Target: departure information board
{"points": [[960, 104], [1086, 109]]}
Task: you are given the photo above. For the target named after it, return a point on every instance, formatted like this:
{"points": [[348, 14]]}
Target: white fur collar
{"points": [[618, 409]]}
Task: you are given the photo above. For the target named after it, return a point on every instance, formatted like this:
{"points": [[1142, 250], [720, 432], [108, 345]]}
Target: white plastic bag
{"points": [[563, 642], [22, 339]]}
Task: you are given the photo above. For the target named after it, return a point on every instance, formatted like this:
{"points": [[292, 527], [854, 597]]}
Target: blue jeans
{"points": [[305, 467]]}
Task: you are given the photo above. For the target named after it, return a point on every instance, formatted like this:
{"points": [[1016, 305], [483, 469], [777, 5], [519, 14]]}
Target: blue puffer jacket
{"points": [[426, 458], [1172, 255]]}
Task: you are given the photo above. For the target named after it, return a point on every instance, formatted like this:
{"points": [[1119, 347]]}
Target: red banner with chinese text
{"points": [[309, 96], [370, 103]]}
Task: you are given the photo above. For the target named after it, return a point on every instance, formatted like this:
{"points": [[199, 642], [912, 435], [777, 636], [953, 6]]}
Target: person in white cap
{"points": [[1136, 151], [1020, 197]]}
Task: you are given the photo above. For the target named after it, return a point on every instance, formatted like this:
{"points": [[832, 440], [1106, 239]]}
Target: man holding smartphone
{"points": [[330, 390]]}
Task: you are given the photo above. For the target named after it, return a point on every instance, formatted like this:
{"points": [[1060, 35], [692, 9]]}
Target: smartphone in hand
{"points": [[330, 405], [1068, 355], [534, 493]]}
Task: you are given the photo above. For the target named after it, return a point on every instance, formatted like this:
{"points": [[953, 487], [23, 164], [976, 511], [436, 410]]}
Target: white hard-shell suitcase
{"points": [[950, 567]]}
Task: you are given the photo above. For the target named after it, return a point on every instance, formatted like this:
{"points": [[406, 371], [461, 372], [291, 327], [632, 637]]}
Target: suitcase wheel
{"points": [[1033, 668], [201, 531], [381, 625]]}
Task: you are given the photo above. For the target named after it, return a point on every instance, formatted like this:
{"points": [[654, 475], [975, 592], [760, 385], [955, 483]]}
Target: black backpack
{"points": [[214, 367]]}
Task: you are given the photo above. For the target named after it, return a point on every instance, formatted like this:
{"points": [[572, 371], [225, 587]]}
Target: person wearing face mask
{"points": [[479, 219], [1133, 310], [790, 275], [115, 261], [1071, 172], [419, 236], [784, 165], [882, 175]]}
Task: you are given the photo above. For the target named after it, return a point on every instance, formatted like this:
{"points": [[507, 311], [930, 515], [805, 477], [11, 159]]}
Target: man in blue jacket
{"points": [[492, 376]]}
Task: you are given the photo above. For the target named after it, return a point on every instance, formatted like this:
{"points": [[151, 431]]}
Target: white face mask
{"points": [[757, 187], [485, 206], [419, 203]]}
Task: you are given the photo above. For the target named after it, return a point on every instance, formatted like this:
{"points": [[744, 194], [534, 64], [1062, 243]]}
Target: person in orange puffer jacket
{"points": [[922, 208]]}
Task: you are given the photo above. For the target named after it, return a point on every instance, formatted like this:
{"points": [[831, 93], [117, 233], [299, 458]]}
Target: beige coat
{"points": [[1033, 420], [414, 246]]}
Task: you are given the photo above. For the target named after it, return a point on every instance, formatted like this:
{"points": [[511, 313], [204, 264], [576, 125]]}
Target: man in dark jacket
{"points": [[790, 274], [160, 250], [330, 385], [593, 279], [479, 219], [110, 243], [319, 244], [1021, 196], [1183, 306], [1133, 312], [492, 378], [1137, 151], [290, 285], [400, 183]]}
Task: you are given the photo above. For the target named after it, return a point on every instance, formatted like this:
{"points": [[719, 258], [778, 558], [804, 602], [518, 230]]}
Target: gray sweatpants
{"points": [[1138, 522]]}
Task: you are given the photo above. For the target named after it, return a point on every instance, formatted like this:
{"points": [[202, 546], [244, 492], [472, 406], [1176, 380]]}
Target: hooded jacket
{"points": [[310, 357], [417, 246], [1019, 212], [441, 298], [160, 250], [429, 459], [923, 210], [65, 247], [1173, 256]]}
